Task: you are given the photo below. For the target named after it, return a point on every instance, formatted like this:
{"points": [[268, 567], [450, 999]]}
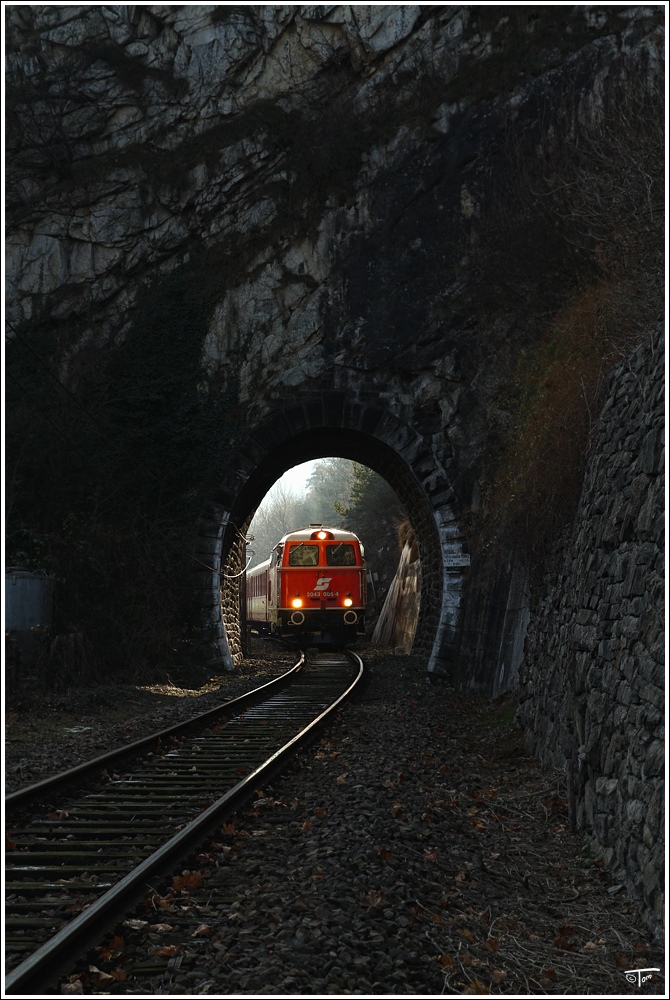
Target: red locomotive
{"points": [[313, 585]]}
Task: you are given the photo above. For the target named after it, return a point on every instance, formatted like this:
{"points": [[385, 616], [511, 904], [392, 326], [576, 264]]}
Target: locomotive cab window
{"points": [[341, 555], [303, 555]]}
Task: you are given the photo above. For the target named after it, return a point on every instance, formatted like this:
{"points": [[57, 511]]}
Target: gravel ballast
{"points": [[48, 733], [416, 849]]}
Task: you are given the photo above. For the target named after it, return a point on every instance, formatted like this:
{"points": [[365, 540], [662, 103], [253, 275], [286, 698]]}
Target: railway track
{"points": [[79, 862]]}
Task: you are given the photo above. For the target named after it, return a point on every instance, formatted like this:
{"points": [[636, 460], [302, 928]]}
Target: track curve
{"points": [[71, 874]]}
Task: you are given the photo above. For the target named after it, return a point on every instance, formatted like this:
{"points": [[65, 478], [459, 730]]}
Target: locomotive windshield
{"points": [[341, 555], [303, 555]]}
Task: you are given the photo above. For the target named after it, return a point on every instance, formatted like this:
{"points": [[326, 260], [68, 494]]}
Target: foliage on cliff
{"points": [[600, 185]]}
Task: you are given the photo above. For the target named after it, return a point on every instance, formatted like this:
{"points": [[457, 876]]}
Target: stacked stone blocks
{"points": [[593, 673]]}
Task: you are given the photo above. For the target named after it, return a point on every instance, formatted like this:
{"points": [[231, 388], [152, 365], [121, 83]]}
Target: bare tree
{"points": [[280, 511]]}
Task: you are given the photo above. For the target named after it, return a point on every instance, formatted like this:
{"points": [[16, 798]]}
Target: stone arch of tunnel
{"points": [[331, 425]]}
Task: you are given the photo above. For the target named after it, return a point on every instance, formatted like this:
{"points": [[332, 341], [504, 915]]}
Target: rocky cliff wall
{"points": [[592, 680], [242, 237], [396, 625]]}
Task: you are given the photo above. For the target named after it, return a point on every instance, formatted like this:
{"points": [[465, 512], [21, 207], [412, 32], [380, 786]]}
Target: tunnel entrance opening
{"points": [[342, 495], [379, 441]]}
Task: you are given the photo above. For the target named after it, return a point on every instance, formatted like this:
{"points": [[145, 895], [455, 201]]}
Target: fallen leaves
{"points": [[165, 950], [563, 940], [187, 880], [589, 948], [115, 976], [477, 988], [231, 830], [466, 933], [134, 924], [555, 806], [398, 812], [157, 902], [202, 931], [77, 906], [74, 987], [113, 949]]}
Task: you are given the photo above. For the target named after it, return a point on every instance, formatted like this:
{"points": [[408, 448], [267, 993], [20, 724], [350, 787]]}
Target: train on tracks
{"points": [[312, 587]]}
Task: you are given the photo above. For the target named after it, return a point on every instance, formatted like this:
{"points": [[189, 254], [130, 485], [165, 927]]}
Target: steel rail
{"points": [[53, 956], [31, 792]]}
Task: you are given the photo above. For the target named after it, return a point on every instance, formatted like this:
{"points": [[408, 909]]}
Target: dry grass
{"points": [[557, 395]]}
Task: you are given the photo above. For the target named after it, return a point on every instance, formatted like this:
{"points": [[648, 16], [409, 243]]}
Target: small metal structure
{"points": [[28, 604]]}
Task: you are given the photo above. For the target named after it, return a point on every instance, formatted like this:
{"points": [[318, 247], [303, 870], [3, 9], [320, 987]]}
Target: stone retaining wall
{"points": [[592, 680]]}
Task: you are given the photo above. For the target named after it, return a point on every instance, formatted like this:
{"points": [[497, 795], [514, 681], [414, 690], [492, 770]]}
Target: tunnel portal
{"points": [[298, 432]]}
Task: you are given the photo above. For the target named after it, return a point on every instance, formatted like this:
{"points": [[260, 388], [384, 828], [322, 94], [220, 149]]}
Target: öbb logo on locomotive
{"points": [[312, 585]]}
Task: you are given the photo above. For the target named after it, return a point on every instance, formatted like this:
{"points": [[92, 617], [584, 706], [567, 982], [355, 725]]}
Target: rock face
{"points": [[302, 215], [592, 678], [396, 625]]}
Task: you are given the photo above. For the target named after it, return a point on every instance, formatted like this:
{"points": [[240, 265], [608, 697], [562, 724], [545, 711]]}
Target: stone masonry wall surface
{"points": [[592, 680]]}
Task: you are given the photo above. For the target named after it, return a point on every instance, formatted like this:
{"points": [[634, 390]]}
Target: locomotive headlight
{"points": [[296, 602], [348, 602], [322, 535]]}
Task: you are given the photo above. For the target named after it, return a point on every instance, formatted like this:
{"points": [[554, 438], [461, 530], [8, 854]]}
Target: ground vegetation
{"points": [[594, 180]]}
